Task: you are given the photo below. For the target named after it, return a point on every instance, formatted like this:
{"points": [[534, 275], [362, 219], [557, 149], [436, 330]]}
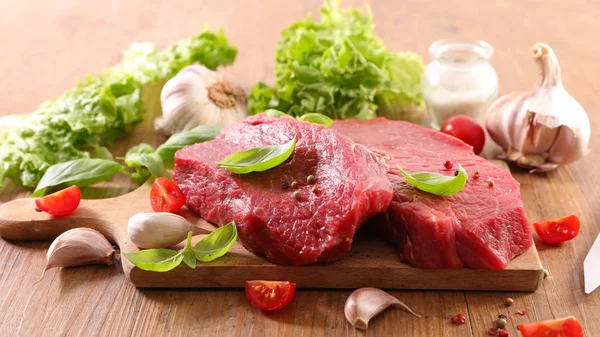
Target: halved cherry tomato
{"points": [[61, 203], [558, 230], [166, 196], [467, 130], [565, 327], [270, 295]]}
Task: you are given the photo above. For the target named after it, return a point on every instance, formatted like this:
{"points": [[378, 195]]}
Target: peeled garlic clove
{"points": [[157, 230], [543, 128], [199, 96], [78, 247], [366, 303]]}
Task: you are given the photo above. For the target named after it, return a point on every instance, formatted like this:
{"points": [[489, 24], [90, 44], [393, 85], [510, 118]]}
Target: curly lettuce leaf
{"points": [[99, 109], [339, 68]]}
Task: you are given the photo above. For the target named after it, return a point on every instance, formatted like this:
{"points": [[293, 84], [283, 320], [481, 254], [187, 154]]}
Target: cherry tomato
{"points": [[270, 295], [558, 230], [565, 327], [166, 196], [467, 130], [60, 203]]}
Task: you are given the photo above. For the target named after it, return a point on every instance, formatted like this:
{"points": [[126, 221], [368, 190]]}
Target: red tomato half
{"points": [[270, 295], [558, 230], [166, 196], [566, 327], [60, 203], [467, 130]]}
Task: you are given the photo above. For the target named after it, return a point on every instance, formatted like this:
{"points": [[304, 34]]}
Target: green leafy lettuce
{"points": [[99, 109], [339, 67]]}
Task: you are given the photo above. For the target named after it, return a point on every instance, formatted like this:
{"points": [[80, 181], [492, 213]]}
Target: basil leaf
{"points": [[217, 243], [275, 113], [145, 161], [177, 141], [313, 117], [189, 256], [436, 183], [316, 118], [159, 260], [258, 159], [80, 172]]}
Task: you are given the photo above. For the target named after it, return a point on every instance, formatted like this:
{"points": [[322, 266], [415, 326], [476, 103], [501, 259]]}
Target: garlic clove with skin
{"points": [[543, 128], [78, 247], [157, 230], [366, 303], [199, 96]]}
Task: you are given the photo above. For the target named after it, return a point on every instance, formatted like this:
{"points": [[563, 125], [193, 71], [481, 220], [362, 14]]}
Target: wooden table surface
{"points": [[47, 45]]}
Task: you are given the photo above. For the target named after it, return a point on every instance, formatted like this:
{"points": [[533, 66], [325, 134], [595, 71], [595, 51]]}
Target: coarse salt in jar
{"points": [[459, 81]]}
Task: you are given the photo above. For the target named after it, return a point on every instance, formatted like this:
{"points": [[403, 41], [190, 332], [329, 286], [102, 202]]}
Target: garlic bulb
{"points": [[157, 230], [366, 303], [543, 128], [199, 96], [77, 247]]}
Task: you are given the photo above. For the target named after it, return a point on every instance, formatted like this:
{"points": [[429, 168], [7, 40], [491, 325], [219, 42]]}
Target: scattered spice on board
{"points": [[285, 185], [311, 179], [294, 184], [509, 301], [522, 312]]}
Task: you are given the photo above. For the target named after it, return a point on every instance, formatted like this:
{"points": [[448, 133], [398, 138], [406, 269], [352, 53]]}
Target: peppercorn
{"points": [[285, 185], [502, 333], [546, 273], [311, 179], [448, 164], [314, 189], [294, 184], [501, 323], [503, 317], [297, 195], [455, 173], [490, 183], [476, 175], [509, 301], [459, 319]]}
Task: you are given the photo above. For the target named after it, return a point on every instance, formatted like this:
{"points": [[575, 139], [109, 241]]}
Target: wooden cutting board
{"points": [[371, 262]]}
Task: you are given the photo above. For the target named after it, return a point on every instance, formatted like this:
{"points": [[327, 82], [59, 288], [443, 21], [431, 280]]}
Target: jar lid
{"points": [[461, 51]]}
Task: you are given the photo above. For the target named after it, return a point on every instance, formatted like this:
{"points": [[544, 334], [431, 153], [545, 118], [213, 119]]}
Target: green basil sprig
{"points": [[198, 134], [142, 158], [145, 161], [436, 183], [316, 118], [213, 246], [258, 159], [80, 172]]}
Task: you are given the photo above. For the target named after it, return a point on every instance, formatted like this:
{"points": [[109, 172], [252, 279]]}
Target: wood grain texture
{"points": [[47, 45]]}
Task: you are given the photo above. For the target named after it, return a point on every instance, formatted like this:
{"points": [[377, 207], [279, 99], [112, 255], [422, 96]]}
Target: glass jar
{"points": [[459, 81]]}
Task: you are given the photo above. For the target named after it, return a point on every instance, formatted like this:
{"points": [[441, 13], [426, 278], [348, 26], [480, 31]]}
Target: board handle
{"points": [[21, 220]]}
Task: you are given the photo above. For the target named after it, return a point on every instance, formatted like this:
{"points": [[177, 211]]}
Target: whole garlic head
{"points": [[199, 96], [543, 128]]}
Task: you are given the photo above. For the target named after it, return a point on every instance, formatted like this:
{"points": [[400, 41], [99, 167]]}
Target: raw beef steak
{"points": [[482, 226], [351, 186]]}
